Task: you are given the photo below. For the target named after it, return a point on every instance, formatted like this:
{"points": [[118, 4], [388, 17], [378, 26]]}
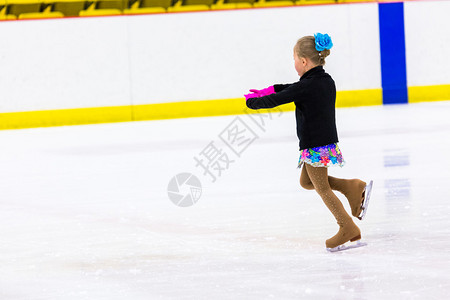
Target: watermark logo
{"points": [[184, 189]]}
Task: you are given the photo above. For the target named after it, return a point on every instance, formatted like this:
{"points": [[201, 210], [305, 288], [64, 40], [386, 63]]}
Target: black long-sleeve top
{"points": [[314, 96]]}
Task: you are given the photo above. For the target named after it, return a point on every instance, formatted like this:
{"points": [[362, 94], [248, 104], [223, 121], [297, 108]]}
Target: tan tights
{"points": [[318, 177], [353, 189]]}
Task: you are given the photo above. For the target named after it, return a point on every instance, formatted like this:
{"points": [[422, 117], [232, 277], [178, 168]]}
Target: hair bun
{"points": [[324, 53]]}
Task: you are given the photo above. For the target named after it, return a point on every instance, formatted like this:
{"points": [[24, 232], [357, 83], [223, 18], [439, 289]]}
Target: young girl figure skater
{"points": [[314, 96]]}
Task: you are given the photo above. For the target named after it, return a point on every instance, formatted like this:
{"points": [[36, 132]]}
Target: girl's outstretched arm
{"points": [[287, 95]]}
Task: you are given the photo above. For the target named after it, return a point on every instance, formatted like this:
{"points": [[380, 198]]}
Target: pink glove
{"points": [[252, 95], [260, 93], [264, 92]]}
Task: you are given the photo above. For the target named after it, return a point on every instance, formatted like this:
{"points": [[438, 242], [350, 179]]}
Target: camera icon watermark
{"points": [[184, 189]]}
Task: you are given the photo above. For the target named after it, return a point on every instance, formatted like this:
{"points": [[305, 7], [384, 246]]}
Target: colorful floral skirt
{"points": [[323, 156]]}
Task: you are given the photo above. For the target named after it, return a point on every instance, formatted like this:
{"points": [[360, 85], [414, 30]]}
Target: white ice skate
{"points": [[365, 203], [348, 245]]}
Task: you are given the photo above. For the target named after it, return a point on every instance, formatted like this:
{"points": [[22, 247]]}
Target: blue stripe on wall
{"points": [[393, 56]]}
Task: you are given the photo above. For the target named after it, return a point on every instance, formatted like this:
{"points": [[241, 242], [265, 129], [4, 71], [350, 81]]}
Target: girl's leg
{"points": [[305, 181], [353, 189], [348, 231]]}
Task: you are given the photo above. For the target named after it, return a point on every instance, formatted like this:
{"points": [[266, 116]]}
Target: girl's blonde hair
{"points": [[306, 47]]}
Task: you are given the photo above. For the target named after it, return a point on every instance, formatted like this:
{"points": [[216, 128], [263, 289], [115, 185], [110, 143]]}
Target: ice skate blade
{"points": [[365, 203], [347, 246]]}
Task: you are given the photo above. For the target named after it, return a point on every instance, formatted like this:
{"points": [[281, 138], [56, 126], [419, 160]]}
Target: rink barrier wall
{"points": [[189, 109], [428, 93], [118, 98], [160, 111]]}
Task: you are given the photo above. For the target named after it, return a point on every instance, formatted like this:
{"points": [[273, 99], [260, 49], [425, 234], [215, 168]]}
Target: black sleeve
{"points": [[280, 87], [287, 95]]}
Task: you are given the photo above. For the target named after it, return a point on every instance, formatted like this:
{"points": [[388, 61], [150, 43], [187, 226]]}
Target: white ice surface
{"points": [[85, 212]]}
